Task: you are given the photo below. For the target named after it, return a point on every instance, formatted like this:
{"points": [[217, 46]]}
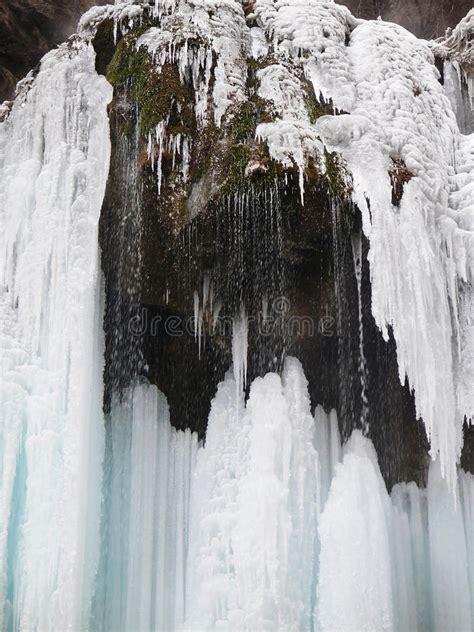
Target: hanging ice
{"points": [[54, 156], [141, 584], [420, 249], [354, 586], [262, 527], [254, 509]]}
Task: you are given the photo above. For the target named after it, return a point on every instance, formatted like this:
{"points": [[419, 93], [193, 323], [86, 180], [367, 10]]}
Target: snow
{"points": [[54, 156]]}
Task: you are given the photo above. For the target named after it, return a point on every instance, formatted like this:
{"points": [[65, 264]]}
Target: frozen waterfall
{"points": [[116, 520], [54, 156]]}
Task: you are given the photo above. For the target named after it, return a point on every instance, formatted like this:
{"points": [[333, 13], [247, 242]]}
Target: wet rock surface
{"points": [[179, 267], [426, 18]]}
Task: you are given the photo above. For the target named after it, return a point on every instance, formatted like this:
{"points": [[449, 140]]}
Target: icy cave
{"points": [[236, 324]]}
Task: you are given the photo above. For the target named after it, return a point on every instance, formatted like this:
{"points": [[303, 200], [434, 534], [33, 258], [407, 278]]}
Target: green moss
{"points": [[238, 159], [335, 174], [314, 106], [158, 95], [235, 165], [204, 151], [244, 118]]}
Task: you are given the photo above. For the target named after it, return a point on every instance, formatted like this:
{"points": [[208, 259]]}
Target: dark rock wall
{"points": [[426, 18], [253, 240], [29, 29]]}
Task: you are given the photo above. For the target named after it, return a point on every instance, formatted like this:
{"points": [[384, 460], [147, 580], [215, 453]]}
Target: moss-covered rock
{"points": [[158, 94]]}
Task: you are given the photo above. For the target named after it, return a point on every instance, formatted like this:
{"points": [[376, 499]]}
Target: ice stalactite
{"points": [[355, 586], [54, 157], [148, 475], [176, 146], [456, 87], [218, 35], [328, 442], [394, 562], [254, 509]]}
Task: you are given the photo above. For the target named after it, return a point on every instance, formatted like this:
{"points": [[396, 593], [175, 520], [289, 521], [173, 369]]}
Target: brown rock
{"points": [[426, 18], [28, 29]]}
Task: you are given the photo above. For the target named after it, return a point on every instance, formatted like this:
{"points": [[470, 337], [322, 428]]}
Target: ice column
{"points": [[54, 158], [355, 584], [145, 528], [448, 555], [254, 509]]}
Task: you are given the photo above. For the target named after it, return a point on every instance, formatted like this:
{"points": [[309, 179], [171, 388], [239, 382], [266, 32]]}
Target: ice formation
{"points": [[54, 157], [420, 251], [148, 476], [128, 524], [390, 113], [394, 562], [271, 524]]}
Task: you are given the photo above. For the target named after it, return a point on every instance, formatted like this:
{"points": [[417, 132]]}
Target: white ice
{"points": [[54, 156]]}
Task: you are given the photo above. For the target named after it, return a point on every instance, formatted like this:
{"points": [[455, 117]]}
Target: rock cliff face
{"points": [[425, 18], [29, 28], [222, 201]]}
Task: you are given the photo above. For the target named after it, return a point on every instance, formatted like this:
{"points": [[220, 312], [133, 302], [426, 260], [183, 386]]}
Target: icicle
{"points": [[196, 314], [205, 291], [149, 480], [457, 91], [327, 442], [240, 350], [186, 158], [160, 133], [301, 182]]}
